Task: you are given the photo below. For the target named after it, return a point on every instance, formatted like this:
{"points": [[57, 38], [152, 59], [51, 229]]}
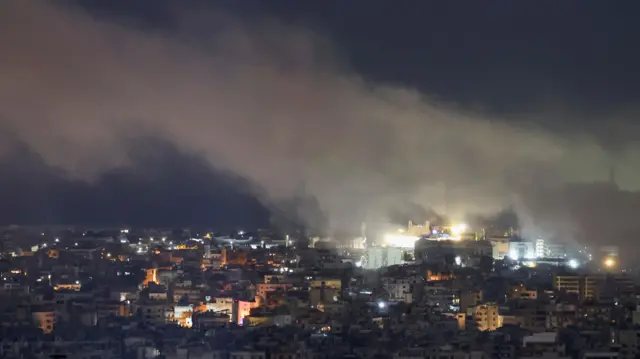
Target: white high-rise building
{"points": [[541, 248], [378, 257], [522, 250], [556, 251]]}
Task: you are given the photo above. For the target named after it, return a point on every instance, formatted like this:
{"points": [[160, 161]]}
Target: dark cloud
{"points": [[162, 187], [274, 104]]}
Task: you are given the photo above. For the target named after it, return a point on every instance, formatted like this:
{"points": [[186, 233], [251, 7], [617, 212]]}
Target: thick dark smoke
{"points": [[162, 187], [273, 104]]}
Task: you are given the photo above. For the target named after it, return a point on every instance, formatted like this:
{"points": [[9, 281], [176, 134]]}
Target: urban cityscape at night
{"points": [[286, 179]]}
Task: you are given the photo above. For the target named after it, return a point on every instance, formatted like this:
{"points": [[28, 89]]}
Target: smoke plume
{"points": [[273, 104]]}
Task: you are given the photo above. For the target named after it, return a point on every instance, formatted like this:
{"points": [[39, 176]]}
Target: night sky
{"points": [[552, 83]]}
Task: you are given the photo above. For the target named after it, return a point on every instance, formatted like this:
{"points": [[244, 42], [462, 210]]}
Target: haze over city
{"points": [[319, 179]]}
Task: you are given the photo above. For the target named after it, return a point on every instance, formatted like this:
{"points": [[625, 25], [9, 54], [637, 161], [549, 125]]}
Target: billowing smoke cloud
{"points": [[272, 104]]}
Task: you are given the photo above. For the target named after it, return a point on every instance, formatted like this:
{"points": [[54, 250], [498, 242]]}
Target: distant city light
{"points": [[382, 305], [57, 240], [241, 233], [572, 263]]}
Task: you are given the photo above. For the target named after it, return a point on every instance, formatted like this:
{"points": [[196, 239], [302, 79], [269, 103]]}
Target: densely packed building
{"points": [[177, 294]]}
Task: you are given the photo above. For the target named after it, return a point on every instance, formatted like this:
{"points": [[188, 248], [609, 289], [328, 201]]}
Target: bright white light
{"points": [[382, 305], [609, 262], [572, 263], [359, 263], [400, 240], [77, 282], [164, 239], [241, 233], [57, 240], [514, 255], [75, 244], [458, 229], [458, 260]]}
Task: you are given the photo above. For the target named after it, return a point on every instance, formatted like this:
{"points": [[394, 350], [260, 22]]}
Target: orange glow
{"points": [[73, 286], [244, 310], [152, 276], [434, 276], [233, 257]]}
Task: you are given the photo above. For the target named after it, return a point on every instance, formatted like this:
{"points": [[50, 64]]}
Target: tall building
{"points": [[419, 230], [500, 247], [522, 250], [541, 249], [378, 257], [555, 250], [595, 286], [487, 317]]}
